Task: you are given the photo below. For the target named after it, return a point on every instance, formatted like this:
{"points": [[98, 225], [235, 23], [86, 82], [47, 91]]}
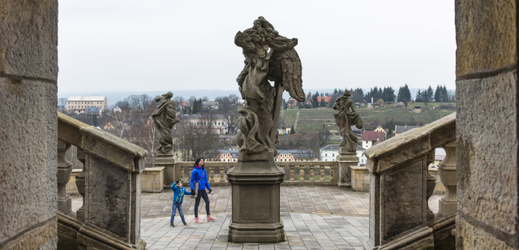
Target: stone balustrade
{"points": [[297, 173], [109, 184], [400, 187]]}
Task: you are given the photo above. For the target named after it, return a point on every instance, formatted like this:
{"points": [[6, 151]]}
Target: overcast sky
{"points": [[130, 45]]}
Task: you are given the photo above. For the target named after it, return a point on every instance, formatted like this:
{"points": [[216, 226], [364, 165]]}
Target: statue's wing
{"points": [[286, 66]]}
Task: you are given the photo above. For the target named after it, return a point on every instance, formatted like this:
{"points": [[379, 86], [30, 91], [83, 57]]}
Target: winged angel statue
{"points": [[268, 57]]}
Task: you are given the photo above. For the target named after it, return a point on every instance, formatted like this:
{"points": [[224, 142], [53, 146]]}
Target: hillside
{"points": [[314, 119]]}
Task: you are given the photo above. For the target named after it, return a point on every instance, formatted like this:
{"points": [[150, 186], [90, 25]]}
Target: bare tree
{"points": [[197, 139]]}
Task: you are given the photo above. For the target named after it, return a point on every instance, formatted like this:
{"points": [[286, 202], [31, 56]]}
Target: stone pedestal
{"points": [[346, 160], [359, 178], [152, 180], [256, 202], [168, 162]]}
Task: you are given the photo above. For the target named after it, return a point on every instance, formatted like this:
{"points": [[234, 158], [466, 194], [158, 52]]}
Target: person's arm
{"points": [[186, 192], [192, 181], [173, 186], [207, 182]]}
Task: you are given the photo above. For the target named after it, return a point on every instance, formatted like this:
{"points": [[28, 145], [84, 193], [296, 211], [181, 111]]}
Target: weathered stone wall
{"points": [[28, 124], [487, 125]]}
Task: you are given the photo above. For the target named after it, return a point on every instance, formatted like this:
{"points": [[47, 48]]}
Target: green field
{"points": [[311, 120]]}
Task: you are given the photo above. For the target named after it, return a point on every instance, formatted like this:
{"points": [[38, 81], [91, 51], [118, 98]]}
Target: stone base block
{"points": [[152, 180], [447, 208], [65, 205], [168, 162], [346, 160], [256, 233], [256, 202], [359, 178]]}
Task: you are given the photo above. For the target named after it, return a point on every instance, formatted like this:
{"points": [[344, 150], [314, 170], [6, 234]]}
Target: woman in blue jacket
{"points": [[199, 175]]}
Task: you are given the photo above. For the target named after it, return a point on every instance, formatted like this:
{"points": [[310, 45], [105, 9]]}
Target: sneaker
{"points": [[171, 224], [184, 222], [198, 220], [210, 218]]}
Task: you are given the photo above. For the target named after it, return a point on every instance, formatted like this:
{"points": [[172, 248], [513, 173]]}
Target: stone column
{"points": [[346, 160], [168, 162], [447, 170], [256, 202], [63, 175]]}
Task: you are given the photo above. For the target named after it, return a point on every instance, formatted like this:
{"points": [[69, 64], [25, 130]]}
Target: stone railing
{"points": [[321, 173], [400, 188], [296, 173], [109, 184]]}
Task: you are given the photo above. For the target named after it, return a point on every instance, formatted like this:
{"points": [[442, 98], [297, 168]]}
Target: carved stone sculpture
{"points": [[268, 57], [345, 117], [164, 119]]}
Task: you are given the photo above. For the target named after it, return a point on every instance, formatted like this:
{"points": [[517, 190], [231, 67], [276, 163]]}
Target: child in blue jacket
{"points": [[178, 198], [199, 175]]}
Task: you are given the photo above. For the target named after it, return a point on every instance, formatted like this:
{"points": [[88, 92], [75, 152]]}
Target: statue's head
{"points": [[168, 95], [347, 93]]}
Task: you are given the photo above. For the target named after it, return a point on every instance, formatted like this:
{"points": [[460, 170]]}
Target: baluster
{"points": [[431, 183], [302, 173], [80, 184], [63, 176], [292, 173], [222, 173], [211, 174], [322, 172], [189, 176], [332, 174], [447, 171], [312, 172]]}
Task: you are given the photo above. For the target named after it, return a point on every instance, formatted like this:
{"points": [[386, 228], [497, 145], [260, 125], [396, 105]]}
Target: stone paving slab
{"points": [[315, 217], [299, 199], [304, 231]]}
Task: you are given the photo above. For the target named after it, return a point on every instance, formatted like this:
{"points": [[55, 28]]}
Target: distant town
{"points": [[306, 130]]}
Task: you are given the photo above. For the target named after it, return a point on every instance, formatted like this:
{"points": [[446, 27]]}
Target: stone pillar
{"points": [[346, 160], [28, 131], [448, 204], [487, 135], [256, 202], [168, 162], [64, 170]]}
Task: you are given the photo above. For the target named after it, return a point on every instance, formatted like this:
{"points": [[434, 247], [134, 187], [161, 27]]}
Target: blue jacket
{"points": [[199, 175], [178, 195]]}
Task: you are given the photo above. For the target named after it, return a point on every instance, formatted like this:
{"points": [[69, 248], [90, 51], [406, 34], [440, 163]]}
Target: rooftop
{"points": [[86, 98]]}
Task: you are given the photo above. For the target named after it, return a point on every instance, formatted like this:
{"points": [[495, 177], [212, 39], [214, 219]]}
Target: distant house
{"points": [[108, 126], [80, 103], [296, 155], [380, 129], [227, 155], [326, 99], [219, 125], [330, 152], [291, 102], [117, 109], [94, 111], [370, 138], [210, 105], [402, 129], [417, 109]]}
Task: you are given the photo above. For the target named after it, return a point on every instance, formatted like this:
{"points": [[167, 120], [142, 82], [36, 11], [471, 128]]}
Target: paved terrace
{"points": [[315, 217]]}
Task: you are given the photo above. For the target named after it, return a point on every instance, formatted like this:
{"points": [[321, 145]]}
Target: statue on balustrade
{"points": [[164, 119], [268, 57], [345, 117]]}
